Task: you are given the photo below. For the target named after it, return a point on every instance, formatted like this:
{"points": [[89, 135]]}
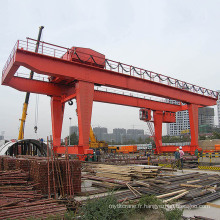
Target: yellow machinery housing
{"points": [[94, 144]]}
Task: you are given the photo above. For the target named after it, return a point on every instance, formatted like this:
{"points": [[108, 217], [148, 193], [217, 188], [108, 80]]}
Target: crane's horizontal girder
{"points": [[57, 67], [68, 93]]}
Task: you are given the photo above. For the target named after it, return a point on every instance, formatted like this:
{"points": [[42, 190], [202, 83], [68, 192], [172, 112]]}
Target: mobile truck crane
{"points": [[25, 105], [102, 145], [94, 144]]}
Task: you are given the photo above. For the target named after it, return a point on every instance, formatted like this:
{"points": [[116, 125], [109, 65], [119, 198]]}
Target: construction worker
{"points": [[181, 157], [98, 155], [197, 152], [177, 157], [148, 157]]}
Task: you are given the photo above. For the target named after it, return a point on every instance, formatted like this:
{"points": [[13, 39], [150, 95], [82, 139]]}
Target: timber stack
{"points": [[125, 173]]}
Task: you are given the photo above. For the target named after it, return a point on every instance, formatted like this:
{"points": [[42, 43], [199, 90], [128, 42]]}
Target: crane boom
{"points": [[92, 136], [25, 105]]}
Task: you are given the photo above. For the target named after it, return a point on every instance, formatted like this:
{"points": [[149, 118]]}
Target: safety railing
{"points": [[156, 77], [35, 77], [177, 144], [11, 56], [58, 52]]}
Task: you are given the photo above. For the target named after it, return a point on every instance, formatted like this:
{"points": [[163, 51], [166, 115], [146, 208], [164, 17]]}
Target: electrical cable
{"points": [[36, 113]]}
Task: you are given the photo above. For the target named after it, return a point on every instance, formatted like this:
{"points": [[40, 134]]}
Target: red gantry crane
{"points": [[78, 73]]}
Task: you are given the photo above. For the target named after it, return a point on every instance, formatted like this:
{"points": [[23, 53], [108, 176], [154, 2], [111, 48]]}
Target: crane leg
{"points": [[57, 110], [158, 120], [84, 99], [193, 120]]}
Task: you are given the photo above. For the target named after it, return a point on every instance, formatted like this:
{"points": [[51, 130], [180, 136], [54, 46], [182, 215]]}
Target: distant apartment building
{"points": [[119, 135], [74, 129], [218, 108], [100, 132], [182, 124], [135, 134], [206, 116], [110, 137]]}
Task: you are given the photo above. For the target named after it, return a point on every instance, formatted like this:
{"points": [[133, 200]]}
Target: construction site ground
{"points": [[210, 212], [204, 211], [39, 178]]}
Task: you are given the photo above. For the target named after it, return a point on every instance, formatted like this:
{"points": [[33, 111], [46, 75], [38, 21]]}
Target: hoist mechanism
{"points": [[25, 105]]}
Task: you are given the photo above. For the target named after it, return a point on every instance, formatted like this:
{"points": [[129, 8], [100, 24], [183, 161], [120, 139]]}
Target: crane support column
{"points": [[57, 110], [84, 99], [193, 119], [158, 121]]}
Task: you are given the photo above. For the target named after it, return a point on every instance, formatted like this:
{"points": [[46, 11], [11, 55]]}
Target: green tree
{"points": [[215, 135], [74, 139], [202, 137]]}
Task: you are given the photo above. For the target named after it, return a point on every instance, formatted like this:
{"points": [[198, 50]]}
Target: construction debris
{"points": [[197, 188]]}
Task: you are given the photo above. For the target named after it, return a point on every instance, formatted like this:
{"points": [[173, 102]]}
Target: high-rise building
{"points": [[206, 116], [74, 129], [182, 124], [218, 108], [119, 134], [135, 134], [100, 132]]}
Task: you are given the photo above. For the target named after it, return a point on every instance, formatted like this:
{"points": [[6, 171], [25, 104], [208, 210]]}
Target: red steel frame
{"points": [[77, 80]]}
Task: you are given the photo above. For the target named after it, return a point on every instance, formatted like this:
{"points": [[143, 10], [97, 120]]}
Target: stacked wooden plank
{"points": [[126, 173], [197, 188]]}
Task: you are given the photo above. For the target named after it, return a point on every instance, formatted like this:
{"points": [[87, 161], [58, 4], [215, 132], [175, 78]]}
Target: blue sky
{"points": [[174, 38]]}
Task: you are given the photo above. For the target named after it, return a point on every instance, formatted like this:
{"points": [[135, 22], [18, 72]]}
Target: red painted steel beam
{"points": [[52, 89], [61, 68], [158, 121], [84, 100], [57, 111], [35, 86], [194, 126], [118, 99]]}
